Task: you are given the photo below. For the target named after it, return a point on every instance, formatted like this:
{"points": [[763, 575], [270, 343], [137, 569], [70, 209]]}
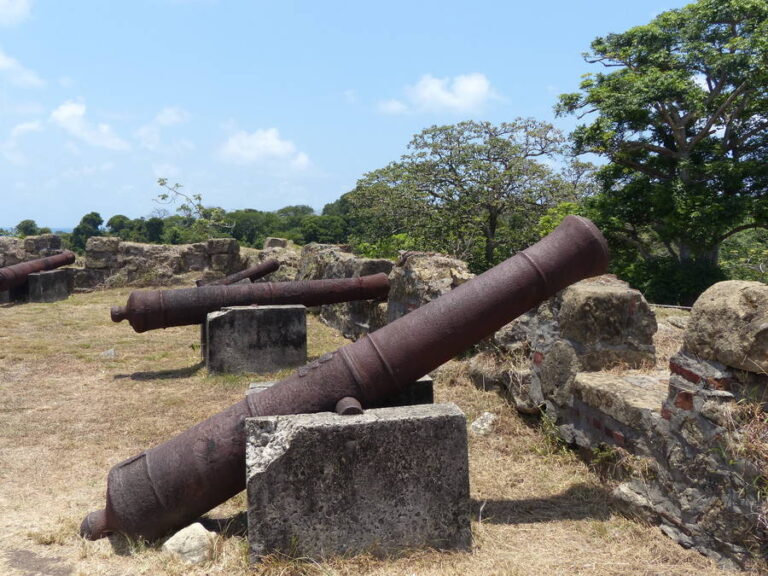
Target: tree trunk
{"points": [[710, 256], [490, 237]]}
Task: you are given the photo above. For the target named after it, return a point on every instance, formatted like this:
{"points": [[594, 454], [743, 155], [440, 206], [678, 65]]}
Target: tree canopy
{"points": [[681, 113], [472, 189], [89, 225]]}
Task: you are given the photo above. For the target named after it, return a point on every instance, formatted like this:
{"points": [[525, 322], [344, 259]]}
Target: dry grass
{"points": [[68, 412]]}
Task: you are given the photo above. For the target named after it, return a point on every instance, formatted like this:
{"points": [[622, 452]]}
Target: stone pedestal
{"points": [[256, 339], [50, 285], [389, 479]]}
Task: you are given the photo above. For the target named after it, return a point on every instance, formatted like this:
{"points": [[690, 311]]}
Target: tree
{"points": [[118, 224], [27, 228], [681, 114], [324, 229], [202, 222], [472, 189], [89, 226]]}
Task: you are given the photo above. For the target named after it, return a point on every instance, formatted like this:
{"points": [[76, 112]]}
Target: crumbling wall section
{"points": [[687, 446], [327, 261]]}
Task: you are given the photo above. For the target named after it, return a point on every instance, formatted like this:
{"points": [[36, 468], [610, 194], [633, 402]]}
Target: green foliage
{"points": [[89, 226], [389, 247], [323, 229], [744, 256], [553, 216], [473, 190], [199, 222], [681, 113], [27, 228], [665, 279]]}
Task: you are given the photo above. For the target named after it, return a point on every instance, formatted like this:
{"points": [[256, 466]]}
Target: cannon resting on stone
{"points": [[16, 275], [151, 309], [171, 485], [252, 273]]}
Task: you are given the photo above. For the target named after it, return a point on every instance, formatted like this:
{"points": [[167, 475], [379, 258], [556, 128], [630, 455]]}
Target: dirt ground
{"points": [[79, 394]]}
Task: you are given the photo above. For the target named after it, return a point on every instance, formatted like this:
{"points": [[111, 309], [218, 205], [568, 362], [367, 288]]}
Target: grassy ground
{"points": [[79, 393]]}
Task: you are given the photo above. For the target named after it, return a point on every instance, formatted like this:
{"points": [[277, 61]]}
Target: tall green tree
{"points": [[680, 111], [27, 228], [89, 226], [473, 189]]}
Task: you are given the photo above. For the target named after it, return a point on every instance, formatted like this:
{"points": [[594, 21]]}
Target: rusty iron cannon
{"points": [[171, 485], [151, 309], [252, 273], [17, 274]]}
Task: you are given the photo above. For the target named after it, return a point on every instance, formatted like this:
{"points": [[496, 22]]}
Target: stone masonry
{"points": [[256, 339], [380, 482], [679, 439]]}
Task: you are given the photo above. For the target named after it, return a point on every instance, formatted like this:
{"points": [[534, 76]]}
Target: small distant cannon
{"points": [[171, 485], [16, 275], [252, 273], [152, 309]]}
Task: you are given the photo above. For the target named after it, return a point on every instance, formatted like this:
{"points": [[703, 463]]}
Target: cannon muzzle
{"points": [[16, 275], [252, 273], [151, 309], [171, 485]]}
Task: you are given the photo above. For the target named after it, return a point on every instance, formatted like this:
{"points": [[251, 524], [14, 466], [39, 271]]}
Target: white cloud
{"points": [[17, 74], [10, 147], [88, 170], [170, 171], [463, 93], [392, 107], [262, 145], [301, 161], [71, 117], [14, 11], [149, 134], [170, 116]]}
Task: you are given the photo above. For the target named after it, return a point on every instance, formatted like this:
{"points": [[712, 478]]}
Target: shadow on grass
{"points": [[163, 374], [235, 525], [577, 503]]}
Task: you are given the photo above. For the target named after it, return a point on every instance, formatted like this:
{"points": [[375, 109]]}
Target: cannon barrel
{"points": [[16, 275], [172, 484], [151, 309], [252, 273]]}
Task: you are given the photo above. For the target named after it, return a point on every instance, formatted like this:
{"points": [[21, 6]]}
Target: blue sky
{"points": [[256, 104]]}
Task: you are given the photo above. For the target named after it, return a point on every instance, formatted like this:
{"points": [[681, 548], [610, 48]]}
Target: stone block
{"points": [[43, 245], [102, 244], [729, 324], [223, 246], [419, 392], [194, 257], [271, 242], [257, 339], [100, 260], [225, 263], [49, 286], [421, 277], [389, 479]]}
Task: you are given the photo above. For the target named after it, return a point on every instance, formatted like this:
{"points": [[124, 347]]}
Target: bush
{"points": [[667, 281]]}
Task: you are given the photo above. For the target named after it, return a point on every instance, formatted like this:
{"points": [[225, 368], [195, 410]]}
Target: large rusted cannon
{"points": [[252, 273], [16, 275], [171, 485], [151, 309]]}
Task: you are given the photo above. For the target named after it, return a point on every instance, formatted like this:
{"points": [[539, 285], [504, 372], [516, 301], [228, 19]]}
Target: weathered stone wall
{"points": [[678, 439], [15, 250], [326, 261], [419, 278], [593, 325]]}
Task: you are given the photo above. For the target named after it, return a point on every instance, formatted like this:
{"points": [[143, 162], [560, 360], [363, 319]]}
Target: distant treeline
{"points": [[249, 227]]}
